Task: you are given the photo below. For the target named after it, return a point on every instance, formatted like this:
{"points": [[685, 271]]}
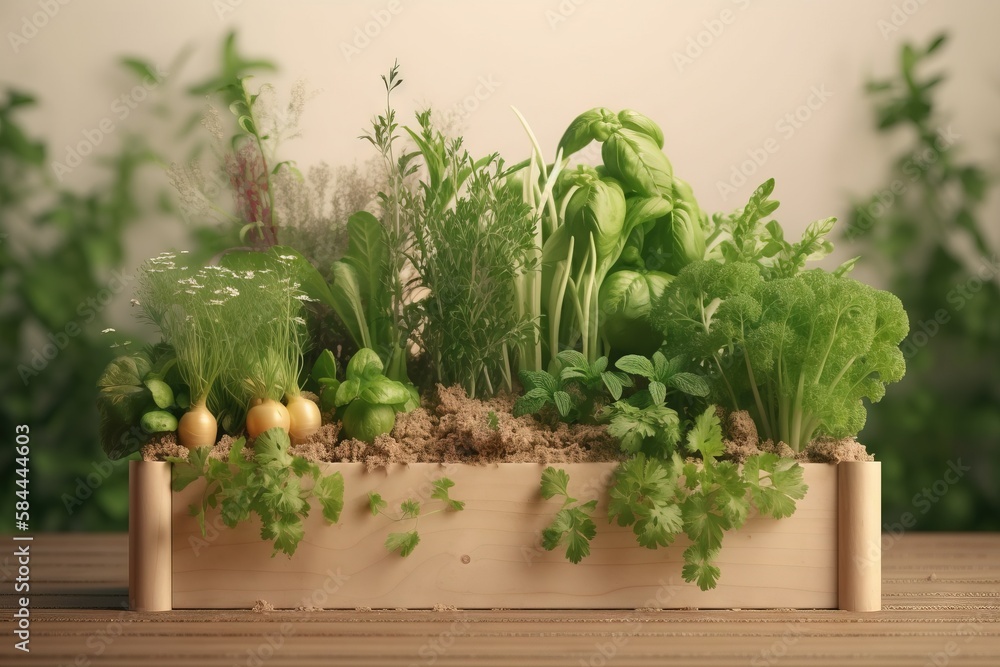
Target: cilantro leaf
{"points": [[440, 492], [659, 524], [188, 470], [775, 484], [285, 498], [410, 508], [555, 482], [286, 532], [705, 437], [404, 542], [573, 526], [698, 567], [376, 503], [329, 490], [271, 448]]}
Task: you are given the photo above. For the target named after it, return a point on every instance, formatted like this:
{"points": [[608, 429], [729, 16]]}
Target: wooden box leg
{"points": [[859, 539], [149, 571]]}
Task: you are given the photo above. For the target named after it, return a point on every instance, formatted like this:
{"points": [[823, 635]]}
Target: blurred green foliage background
{"points": [[920, 230], [61, 257]]}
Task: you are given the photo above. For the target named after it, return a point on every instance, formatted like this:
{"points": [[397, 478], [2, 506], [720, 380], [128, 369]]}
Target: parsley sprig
{"points": [[406, 541], [664, 497], [269, 485]]}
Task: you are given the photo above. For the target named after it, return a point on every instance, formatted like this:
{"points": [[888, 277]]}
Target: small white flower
{"points": [[109, 330], [249, 275], [216, 302], [185, 252], [299, 320], [134, 302]]}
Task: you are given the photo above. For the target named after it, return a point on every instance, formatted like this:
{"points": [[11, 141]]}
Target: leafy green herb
{"points": [[653, 429], [269, 485], [370, 399], [324, 378], [576, 391], [663, 376], [800, 352], [405, 543], [371, 279], [410, 509], [472, 240], [660, 498], [139, 395], [493, 421], [572, 525], [931, 242]]}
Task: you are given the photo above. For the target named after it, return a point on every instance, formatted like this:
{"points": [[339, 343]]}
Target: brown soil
{"points": [[742, 442], [828, 450], [453, 428]]}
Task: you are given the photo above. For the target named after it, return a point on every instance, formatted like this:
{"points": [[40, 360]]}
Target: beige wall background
{"points": [[725, 79]]}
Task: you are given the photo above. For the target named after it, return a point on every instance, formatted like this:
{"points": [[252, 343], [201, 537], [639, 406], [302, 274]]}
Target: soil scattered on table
{"points": [[261, 606], [444, 607]]}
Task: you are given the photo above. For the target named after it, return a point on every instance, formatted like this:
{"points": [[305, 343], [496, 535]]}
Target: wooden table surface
{"points": [[940, 596]]}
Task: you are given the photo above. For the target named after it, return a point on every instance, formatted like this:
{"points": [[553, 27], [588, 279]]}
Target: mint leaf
{"points": [[657, 392], [564, 403], [531, 402], [689, 383], [636, 365], [538, 380]]}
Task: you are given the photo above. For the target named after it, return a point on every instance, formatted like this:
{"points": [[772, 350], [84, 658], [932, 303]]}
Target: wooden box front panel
{"points": [[489, 555]]}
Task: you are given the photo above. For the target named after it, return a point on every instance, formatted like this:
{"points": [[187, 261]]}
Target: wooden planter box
{"points": [[826, 556]]}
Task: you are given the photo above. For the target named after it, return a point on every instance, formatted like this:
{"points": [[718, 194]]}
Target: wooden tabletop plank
{"points": [[941, 599]]}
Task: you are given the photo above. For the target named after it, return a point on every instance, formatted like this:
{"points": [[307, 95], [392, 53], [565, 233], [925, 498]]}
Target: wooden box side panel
{"points": [[490, 554]]}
